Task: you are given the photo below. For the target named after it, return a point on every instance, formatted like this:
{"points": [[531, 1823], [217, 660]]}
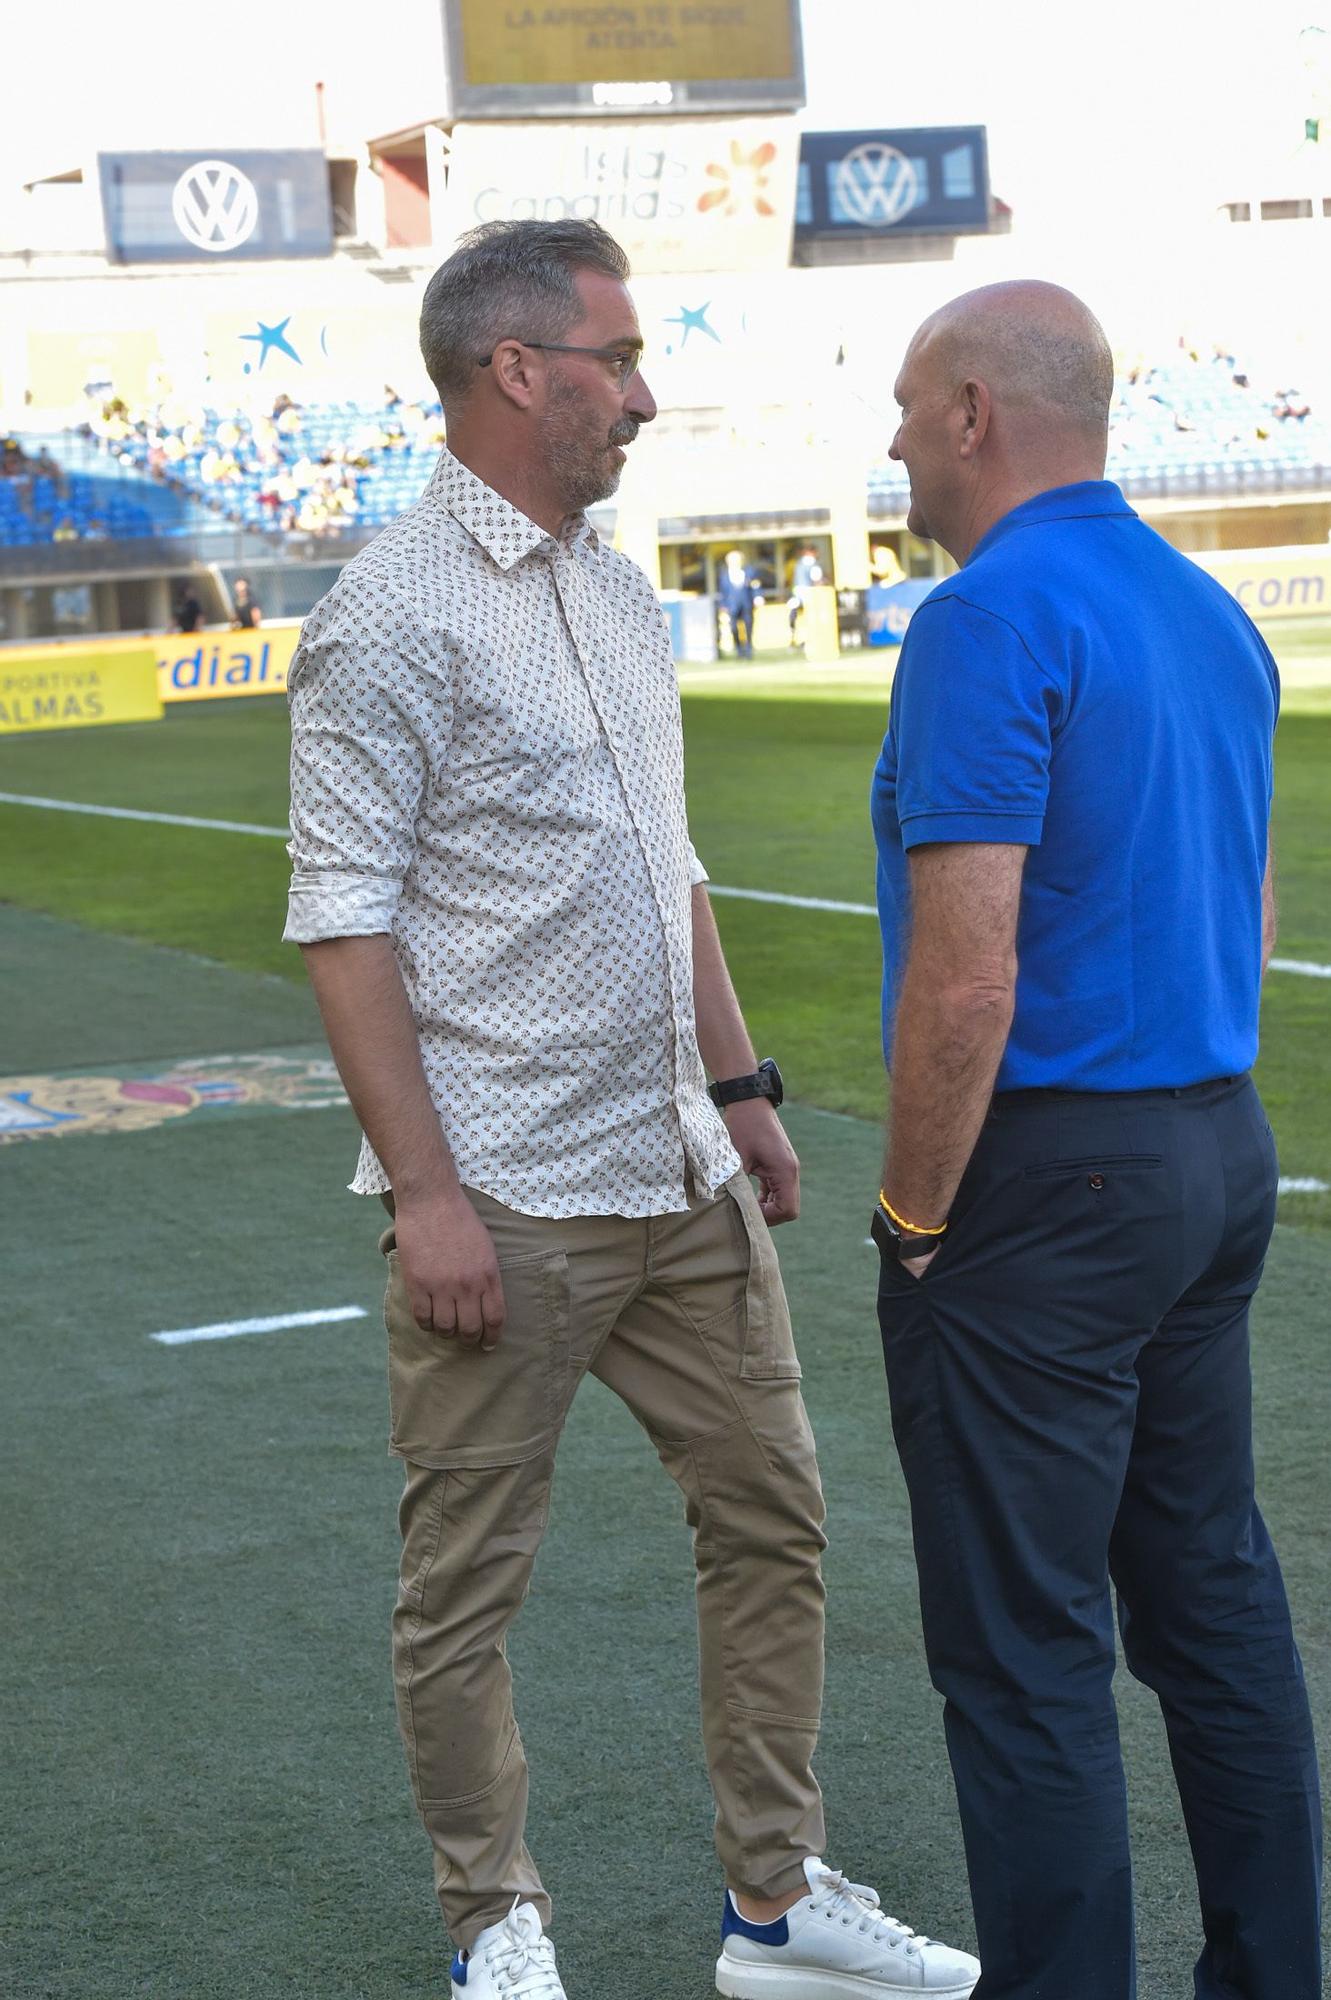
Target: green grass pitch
{"points": [[778, 771], [203, 1797]]}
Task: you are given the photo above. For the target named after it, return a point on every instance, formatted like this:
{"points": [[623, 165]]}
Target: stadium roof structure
{"points": [[63, 176], [408, 135]]}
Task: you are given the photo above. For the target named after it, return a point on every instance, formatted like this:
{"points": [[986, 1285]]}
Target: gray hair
{"points": [[508, 279]]}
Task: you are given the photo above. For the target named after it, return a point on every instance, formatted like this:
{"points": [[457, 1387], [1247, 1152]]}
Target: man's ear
{"points": [[976, 409], [514, 373]]}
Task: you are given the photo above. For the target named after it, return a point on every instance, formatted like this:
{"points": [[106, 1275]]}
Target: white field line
{"points": [[796, 902], [1302, 965], [156, 819], [1306, 967], [228, 1329]]}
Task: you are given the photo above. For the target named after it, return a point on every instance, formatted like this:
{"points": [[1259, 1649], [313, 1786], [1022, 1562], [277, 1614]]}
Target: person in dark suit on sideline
{"points": [[737, 595]]}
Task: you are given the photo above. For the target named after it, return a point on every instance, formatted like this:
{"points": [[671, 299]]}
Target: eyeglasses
{"points": [[627, 360]]}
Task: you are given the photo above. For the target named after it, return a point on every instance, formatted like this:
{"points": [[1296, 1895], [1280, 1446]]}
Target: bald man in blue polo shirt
{"points": [[1074, 884]]}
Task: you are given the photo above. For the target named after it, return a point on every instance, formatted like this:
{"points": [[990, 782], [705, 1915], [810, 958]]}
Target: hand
{"points": [[917, 1266], [759, 1138], [450, 1270]]}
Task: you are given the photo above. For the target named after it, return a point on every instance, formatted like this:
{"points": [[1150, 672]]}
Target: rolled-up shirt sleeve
{"points": [[370, 723], [697, 873]]}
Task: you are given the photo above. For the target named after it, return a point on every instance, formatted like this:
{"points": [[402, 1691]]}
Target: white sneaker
{"points": [[835, 1944], [515, 1960]]}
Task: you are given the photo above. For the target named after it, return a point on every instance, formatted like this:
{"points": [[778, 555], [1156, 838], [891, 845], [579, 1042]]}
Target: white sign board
{"points": [[706, 194]]}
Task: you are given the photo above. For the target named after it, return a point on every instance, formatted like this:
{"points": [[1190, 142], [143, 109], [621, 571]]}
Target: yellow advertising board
{"points": [[1274, 583], [208, 666], [77, 688], [685, 40], [198, 666]]}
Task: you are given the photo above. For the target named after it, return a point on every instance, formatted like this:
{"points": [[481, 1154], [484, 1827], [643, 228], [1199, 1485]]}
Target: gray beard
{"points": [[581, 470], [582, 486]]}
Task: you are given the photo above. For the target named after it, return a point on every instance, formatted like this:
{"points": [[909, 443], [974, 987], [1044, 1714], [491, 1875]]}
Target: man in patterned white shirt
{"points": [[515, 958]]}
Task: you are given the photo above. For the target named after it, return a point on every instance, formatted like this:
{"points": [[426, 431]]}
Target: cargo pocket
{"points": [[768, 1353], [454, 1406]]}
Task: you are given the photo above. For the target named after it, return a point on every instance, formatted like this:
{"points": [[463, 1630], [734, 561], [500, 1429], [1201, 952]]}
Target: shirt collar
{"points": [[1088, 499], [503, 531]]}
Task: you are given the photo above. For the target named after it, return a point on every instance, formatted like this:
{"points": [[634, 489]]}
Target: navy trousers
{"points": [[1071, 1401]]}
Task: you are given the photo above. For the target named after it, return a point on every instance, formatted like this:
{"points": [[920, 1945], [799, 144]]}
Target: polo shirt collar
{"points": [[503, 531], [1088, 499]]}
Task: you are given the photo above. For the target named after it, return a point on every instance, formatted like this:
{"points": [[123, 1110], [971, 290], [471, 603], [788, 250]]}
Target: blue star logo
{"points": [[693, 320], [270, 338]]}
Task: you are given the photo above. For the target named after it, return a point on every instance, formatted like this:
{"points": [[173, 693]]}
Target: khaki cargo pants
{"points": [[685, 1318]]}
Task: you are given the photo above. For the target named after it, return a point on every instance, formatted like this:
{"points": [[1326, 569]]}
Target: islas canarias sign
{"points": [[703, 194]]}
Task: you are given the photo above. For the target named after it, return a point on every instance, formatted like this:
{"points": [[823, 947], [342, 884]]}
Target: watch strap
{"points": [[765, 1081], [898, 1244]]}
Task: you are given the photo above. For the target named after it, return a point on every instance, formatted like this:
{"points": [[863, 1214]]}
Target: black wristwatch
{"points": [[765, 1082], [898, 1244]]}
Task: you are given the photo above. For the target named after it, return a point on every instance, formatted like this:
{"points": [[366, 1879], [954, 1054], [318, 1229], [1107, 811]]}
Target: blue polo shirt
{"points": [[1084, 690]]}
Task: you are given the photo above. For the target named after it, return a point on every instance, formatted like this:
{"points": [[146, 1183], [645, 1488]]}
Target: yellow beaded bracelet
{"points": [[909, 1228]]}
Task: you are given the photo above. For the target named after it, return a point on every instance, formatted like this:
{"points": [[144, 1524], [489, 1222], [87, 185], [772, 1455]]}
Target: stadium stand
{"points": [[1193, 424], [316, 469], [1190, 424], [51, 493]]}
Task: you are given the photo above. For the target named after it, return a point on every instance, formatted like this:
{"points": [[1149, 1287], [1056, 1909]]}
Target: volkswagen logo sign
{"points": [[876, 185], [216, 207]]}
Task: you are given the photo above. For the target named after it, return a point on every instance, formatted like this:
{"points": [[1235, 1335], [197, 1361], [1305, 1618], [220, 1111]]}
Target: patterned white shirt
{"points": [[487, 765]]}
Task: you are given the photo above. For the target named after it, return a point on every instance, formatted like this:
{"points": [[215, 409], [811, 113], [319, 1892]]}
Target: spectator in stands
{"points": [[312, 515], [341, 503], [287, 494], [46, 467], [114, 423], [246, 611], [65, 530]]}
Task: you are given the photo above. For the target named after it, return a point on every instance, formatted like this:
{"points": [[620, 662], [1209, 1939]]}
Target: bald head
{"points": [[1004, 393], [1041, 353]]}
